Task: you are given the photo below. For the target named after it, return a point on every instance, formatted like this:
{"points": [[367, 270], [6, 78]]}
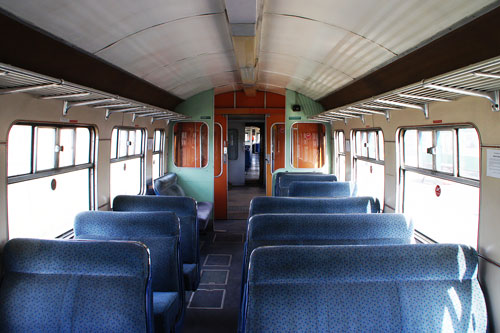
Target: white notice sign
{"points": [[348, 145], [493, 163]]}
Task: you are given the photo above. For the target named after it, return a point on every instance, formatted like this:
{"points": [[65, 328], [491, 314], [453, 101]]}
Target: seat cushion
{"points": [[166, 306], [204, 213], [191, 276]]}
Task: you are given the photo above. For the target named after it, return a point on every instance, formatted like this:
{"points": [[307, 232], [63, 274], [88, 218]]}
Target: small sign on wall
{"points": [[493, 163], [348, 146], [150, 144]]}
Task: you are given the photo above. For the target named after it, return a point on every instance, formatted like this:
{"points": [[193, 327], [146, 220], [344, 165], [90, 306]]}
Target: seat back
{"points": [[279, 174], [159, 231], [287, 178], [283, 205], [77, 286], [167, 185], [183, 207], [397, 288], [322, 189]]}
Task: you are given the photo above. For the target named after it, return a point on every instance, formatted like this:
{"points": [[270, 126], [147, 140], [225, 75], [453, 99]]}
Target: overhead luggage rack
{"points": [[17, 80], [480, 80]]}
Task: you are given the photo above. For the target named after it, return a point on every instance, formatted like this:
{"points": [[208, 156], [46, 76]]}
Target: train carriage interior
{"points": [[250, 166]]}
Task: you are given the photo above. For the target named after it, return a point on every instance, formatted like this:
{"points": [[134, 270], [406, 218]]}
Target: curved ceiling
{"points": [[314, 47]]}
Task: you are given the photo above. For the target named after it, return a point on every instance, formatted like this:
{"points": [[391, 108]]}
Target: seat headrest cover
{"points": [[286, 179], [77, 257], [320, 264], [322, 189], [181, 206], [130, 223]]}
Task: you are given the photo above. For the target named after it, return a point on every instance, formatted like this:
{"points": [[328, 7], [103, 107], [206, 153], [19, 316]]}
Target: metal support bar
{"points": [[366, 111], [425, 98], [342, 115], [493, 97], [28, 88], [3, 73], [387, 115], [82, 94], [68, 105], [112, 106], [488, 75], [424, 108], [378, 107]]}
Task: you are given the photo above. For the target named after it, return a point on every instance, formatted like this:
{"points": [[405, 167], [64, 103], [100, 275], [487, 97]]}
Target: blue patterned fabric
{"points": [[185, 209], [397, 288], [287, 178], [322, 189], [278, 175], [284, 205], [75, 286], [159, 231]]}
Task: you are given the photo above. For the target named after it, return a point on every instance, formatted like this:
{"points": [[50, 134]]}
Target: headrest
{"points": [[322, 189], [181, 206]]}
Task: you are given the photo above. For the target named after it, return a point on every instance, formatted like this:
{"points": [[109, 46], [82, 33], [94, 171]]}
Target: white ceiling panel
{"points": [[200, 84], [397, 25], [150, 49], [94, 24]]}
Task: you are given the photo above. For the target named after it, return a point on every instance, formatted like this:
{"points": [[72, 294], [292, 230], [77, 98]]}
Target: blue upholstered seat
{"points": [[159, 231], [283, 205], [185, 209], [75, 286], [167, 185], [322, 189], [279, 174], [397, 288], [286, 179]]}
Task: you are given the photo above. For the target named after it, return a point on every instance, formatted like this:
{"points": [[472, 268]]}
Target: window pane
{"points": [[191, 144], [308, 145], [114, 138], [381, 148], [138, 142], [157, 140], [437, 216], [67, 146], [204, 145], [424, 143], [410, 148], [82, 146], [340, 142], [131, 143], [51, 211], [125, 177], [468, 153], [278, 146], [46, 142], [19, 159], [370, 180], [156, 166], [123, 143], [364, 144], [341, 168], [444, 151], [372, 145]]}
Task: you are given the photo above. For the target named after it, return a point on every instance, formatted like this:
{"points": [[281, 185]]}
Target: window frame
{"points": [[339, 153], [127, 157], [160, 152], [34, 174], [455, 177], [208, 144]]}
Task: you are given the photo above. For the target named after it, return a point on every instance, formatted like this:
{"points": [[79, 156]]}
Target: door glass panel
{"points": [[190, 144], [308, 145], [46, 143], [425, 149], [232, 144], [19, 158], [444, 151], [468, 153]]}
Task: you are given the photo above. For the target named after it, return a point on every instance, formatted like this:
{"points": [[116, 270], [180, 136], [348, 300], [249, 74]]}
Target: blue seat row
{"points": [[75, 286], [282, 205], [285, 179], [160, 232], [185, 209], [396, 288], [322, 189]]}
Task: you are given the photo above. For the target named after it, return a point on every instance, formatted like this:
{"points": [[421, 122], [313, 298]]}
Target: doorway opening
{"points": [[246, 163]]}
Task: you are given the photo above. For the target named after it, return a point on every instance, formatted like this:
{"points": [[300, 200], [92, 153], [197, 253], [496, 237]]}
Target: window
{"points": [[440, 182], [190, 144], [127, 161], [158, 158], [368, 163], [308, 145], [340, 155], [51, 171]]}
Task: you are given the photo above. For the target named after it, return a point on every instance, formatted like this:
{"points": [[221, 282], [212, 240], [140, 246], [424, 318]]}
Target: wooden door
{"points": [[275, 147], [220, 167]]}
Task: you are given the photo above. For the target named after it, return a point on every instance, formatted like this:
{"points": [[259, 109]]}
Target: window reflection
{"points": [[308, 145]]}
